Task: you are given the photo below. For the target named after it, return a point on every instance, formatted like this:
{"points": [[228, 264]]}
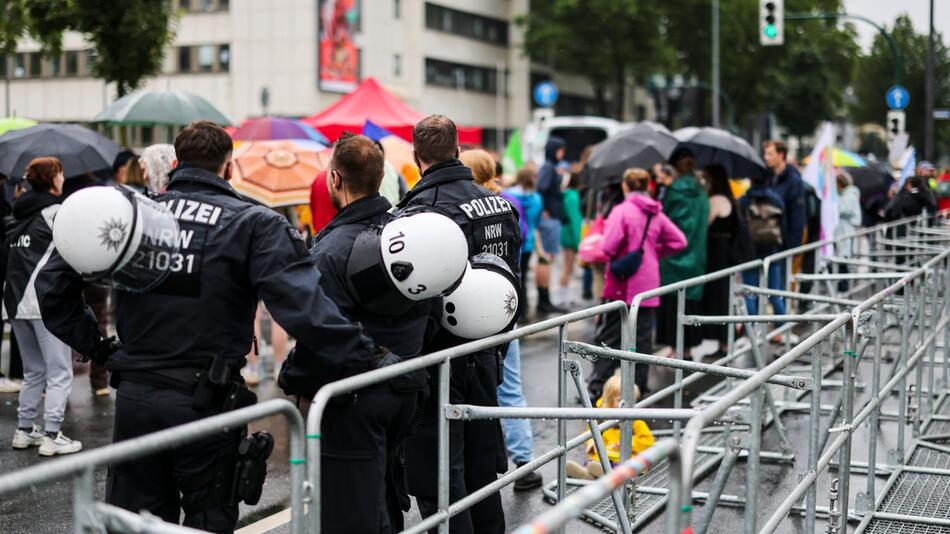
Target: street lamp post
{"points": [[715, 64]]}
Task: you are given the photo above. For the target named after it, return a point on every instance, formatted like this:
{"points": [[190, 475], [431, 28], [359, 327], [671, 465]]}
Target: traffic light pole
{"points": [[898, 64], [929, 106]]}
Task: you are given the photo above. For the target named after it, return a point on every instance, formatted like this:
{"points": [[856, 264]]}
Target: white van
{"points": [[577, 131]]}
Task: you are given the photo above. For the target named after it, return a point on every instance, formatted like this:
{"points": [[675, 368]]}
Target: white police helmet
{"points": [[424, 254], [117, 237], [485, 303]]}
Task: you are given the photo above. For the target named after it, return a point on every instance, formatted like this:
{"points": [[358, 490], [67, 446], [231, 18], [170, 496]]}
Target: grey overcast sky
{"points": [[885, 11]]}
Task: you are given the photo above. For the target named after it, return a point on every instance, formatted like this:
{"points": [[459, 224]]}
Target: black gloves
{"points": [[384, 357], [102, 350]]}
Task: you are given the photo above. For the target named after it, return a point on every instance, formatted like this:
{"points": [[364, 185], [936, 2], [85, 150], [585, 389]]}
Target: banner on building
{"points": [[339, 57]]}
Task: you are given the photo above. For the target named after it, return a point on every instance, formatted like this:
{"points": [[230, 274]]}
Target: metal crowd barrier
{"points": [[914, 292], [672, 461]]}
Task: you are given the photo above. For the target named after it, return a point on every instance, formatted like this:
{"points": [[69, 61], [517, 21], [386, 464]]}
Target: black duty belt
{"points": [[184, 379]]}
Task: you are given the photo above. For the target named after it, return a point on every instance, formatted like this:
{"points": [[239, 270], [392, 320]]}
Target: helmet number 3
{"points": [[397, 245]]}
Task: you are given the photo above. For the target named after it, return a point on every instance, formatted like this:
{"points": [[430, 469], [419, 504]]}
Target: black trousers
{"points": [[666, 322], [188, 478], [363, 478], [476, 449], [608, 332]]}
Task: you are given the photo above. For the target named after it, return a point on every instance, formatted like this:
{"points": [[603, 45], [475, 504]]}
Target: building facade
{"points": [[459, 57]]}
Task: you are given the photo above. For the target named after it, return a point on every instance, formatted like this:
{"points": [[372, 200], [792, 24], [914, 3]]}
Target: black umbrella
{"points": [[712, 145], [79, 149], [873, 180], [643, 145]]}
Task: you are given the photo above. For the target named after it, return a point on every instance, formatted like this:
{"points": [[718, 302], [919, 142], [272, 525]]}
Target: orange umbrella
{"points": [[278, 173]]}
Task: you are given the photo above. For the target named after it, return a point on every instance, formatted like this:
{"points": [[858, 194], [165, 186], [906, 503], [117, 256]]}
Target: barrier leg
{"points": [[616, 496], [718, 485], [752, 472]]}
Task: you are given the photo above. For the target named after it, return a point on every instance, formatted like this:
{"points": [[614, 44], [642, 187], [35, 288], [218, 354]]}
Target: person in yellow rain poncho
{"points": [[642, 437]]}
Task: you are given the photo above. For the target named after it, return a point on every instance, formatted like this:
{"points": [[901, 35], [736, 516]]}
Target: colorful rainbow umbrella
{"points": [[273, 128], [278, 173], [843, 158]]}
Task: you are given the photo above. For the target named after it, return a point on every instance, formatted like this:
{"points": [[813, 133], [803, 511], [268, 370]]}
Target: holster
{"points": [[250, 470]]}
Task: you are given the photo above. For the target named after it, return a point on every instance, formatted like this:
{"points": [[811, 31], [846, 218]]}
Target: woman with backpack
{"points": [[728, 244], [637, 234]]}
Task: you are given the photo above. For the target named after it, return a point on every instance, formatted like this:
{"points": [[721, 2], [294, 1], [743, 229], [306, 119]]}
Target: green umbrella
{"points": [[169, 108], [15, 123]]}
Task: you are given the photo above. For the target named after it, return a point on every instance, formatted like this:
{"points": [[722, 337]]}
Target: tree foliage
{"points": [[603, 40], [129, 35], [875, 73], [802, 82]]}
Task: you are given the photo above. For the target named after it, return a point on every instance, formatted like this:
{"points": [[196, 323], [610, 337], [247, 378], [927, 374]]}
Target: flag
{"points": [[374, 131], [820, 174], [512, 159], [909, 167]]}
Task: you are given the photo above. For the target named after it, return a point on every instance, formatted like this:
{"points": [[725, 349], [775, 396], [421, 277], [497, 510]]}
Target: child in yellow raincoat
{"points": [[642, 437]]}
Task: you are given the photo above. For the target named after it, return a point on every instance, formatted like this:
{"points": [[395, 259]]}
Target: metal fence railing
{"points": [[746, 402], [914, 293]]}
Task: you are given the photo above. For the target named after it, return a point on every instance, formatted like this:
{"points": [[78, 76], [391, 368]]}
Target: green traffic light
{"points": [[770, 31]]}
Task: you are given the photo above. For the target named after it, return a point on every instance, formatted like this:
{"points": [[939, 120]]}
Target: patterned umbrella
{"points": [[278, 173], [843, 158], [270, 128]]}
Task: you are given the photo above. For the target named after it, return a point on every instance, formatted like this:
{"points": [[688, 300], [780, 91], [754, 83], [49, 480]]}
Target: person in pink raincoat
{"points": [[636, 222]]}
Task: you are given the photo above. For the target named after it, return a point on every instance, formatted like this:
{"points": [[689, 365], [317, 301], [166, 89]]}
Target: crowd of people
{"points": [[648, 228]]}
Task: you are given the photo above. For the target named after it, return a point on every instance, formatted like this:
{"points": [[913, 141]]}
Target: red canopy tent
{"points": [[370, 101]]}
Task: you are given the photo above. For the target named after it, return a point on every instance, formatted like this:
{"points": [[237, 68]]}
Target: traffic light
{"points": [[895, 124], [771, 22]]}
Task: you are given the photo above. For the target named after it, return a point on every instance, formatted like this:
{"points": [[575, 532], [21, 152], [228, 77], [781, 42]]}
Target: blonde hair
{"points": [[636, 179], [483, 168], [610, 398]]}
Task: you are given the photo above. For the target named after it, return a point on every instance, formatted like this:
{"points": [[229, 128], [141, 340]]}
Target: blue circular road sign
{"points": [[545, 94], [897, 97]]}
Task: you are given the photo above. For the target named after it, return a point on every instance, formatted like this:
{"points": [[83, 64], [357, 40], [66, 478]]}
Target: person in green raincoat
{"points": [[570, 238], [687, 205]]}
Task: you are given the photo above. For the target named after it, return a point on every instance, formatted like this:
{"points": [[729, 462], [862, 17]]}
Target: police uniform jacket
{"points": [[489, 222], [233, 253], [401, 334]]}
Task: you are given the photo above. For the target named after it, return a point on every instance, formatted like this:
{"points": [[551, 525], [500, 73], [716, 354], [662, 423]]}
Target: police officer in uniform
{"points": [[183, 343], [476, 448], [362, 431]]}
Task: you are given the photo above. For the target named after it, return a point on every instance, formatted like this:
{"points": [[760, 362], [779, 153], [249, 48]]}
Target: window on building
{"points": [[397, 65], [206, 58], [36, 64], [72, 63], [184, 59], [203, 6], [397, 9], [459, 76], [89, 60], [464, 24], [55, 66], [19, 66], [224, 58]]}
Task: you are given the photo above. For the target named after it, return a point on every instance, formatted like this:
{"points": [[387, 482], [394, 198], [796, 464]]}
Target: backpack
{"points": [[765, 224], [741, 249]]}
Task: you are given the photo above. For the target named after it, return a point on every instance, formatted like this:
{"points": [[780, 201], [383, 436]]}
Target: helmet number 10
{"points": [[397, 245]]}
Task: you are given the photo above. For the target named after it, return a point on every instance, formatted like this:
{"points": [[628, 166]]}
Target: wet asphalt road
{"points": [[49, 509]]}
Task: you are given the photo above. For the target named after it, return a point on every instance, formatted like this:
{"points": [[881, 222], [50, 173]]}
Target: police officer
{"points": [[363, 431], [183, 343], [490, 224]]}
